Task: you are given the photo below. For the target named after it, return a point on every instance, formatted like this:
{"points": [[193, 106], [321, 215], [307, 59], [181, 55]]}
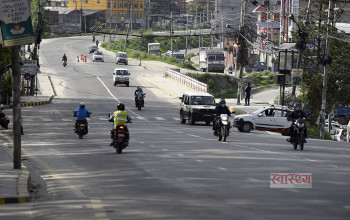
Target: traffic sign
{"points": [[29, 66], [27, 76]]}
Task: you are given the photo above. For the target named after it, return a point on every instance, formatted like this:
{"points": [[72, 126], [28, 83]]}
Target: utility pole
{"points": [[171, 32], [240, 80], [326, 63], [16, 103], [128, 29], [111, 16], [200, 30], [81, 15]]}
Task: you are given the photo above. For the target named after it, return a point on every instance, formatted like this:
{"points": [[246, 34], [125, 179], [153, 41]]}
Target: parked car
{"points": [[121, 76], [273, 118], [98, 56], [122, 57], [197, 106], [93, 48]]}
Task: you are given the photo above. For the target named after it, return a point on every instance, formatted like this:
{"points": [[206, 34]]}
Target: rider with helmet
{"points": [[120, 117], [221, 109], [139, 94], [64, 58], [296, 114], [81, 113]]}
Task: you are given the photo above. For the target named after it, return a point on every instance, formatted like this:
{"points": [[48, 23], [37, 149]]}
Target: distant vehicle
{"points": [[342, 114], [154, 48], [98, 56], [273, 118], [197, 106], [259, 67], [93, 48], [121, 57], [121, 76], [177, 54], [211, 60]]}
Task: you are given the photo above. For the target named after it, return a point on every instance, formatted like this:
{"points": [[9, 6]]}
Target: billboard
{"points": [[297, 77], [16, 22]]}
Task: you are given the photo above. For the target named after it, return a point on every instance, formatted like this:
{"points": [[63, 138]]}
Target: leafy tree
{"points": [[338, 79]]}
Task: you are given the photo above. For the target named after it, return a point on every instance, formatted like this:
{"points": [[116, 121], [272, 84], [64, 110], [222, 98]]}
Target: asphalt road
{"points": [[170, 170]]}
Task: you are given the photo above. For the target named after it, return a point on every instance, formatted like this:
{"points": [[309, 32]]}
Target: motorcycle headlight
{"points": [[224, 118]]}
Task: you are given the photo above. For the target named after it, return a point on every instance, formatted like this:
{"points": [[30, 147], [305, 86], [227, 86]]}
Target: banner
{"points": [[16, 22], [297, 77]]}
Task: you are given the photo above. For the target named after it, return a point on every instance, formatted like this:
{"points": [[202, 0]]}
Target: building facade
{"points": [[118, 13]]}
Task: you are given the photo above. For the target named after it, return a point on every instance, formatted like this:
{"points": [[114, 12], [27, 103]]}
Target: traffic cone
{"points": [[140, 63], [78, 59], [85, 59]]}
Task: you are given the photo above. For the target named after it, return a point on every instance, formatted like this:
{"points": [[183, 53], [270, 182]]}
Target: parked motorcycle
{"points": [[222, 125], [299, 132], [81, 127], [4, 121], [140, 102], [119, 135], [64, 63]]}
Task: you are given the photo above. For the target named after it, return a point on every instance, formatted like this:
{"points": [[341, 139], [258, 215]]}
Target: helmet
{"points": [[121, 106], [222, 101], [82, 104], [297, 106], [64, 54]]}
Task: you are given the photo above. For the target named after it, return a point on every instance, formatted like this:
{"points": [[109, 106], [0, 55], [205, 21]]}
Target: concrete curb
{"points": [[38, 103]]}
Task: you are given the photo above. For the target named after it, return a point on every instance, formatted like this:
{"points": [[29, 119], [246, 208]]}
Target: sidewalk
{"points": [[14, 183]]}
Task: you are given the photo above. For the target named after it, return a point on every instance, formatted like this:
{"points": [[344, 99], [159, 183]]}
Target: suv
{"points": [[121, 76], [197, 106], [122, 58], [273, 118]]}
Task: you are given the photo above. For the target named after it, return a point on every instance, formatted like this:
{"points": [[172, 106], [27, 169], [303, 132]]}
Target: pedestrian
{"points": [[97, 42], [247, 94], [348, 133]]}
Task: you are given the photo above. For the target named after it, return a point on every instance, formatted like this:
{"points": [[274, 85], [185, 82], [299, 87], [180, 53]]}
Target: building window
{"points": [[140, 15], [115, 5], [108, 4], [75, 1], [86, 1], [120, 5], [98, 1], [141, 5], [125, 5]]}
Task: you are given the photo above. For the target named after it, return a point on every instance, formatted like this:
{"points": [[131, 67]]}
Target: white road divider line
{"points": [[47, 119], [221, 168], [176, 119], [141, 118], [181, 155], [160, 118], [200, 161], [103, 119], [165, 149]]}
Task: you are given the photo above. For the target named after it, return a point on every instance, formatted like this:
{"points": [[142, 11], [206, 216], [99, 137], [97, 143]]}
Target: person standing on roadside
{"points": [[247, 94]]}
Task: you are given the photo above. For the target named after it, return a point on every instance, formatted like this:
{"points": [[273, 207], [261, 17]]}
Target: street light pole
{"points": [[240, 80]]}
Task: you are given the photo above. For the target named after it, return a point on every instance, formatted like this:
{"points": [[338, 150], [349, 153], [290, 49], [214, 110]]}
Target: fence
{"points": [[188, 81]]}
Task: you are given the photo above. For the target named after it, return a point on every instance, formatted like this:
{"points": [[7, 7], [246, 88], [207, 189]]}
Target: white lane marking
{"points": [[176, 119], [103, 119], [199, 161], [111, 94], [141, 118], [293, 190], [181, 155], [347, 206], [142, 142], [253, 180], [151, 145], [47, 119], [165, 149], [221, 168], [192, 135], [159, 118]]}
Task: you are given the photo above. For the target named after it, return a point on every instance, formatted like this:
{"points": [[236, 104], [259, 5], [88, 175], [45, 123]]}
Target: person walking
{"points": [[247, 94]]}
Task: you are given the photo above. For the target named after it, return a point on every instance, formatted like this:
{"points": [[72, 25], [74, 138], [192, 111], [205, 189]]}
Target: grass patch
{"points": [[314, 132]]}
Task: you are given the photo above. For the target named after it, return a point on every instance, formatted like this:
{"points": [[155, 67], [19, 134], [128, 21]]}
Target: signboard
{"points": [[29, 66], [15, 22], [297, 76], [27, 76]]}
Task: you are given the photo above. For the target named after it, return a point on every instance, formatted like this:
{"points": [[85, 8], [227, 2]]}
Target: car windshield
{"points": [[122, 55], [98, 53], [202, 100], [122, 72]]}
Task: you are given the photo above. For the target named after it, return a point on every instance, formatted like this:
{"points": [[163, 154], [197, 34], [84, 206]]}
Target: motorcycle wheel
{"points": [[119, 149], [224, 133], [80, 136], [219, 135], [301, 141]]}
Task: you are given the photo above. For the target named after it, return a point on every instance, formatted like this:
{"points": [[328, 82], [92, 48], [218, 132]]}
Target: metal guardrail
{"points": [[186, 80]]}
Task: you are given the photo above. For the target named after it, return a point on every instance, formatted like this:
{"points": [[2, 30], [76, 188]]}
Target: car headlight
{"points": [[127, 78]]}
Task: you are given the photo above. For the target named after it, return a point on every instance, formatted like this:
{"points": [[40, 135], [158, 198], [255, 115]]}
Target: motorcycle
{"points": [[222, 125], [299, 132], [81, 127], [140, 102], [4, 121], [119, 135], [64, 63]]}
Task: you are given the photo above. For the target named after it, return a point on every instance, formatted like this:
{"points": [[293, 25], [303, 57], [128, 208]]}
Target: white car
{"points": [[121, 76], [98, 56], [273, 118]]}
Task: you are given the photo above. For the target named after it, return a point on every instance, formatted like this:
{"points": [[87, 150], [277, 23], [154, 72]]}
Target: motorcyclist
{"points": [[93, 38], [293, 116], [81, 112], [64, 58], [140, 94], [120, 117], [221, 109]]}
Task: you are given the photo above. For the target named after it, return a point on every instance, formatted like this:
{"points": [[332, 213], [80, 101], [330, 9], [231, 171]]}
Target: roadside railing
{"points": [[186, 80]]}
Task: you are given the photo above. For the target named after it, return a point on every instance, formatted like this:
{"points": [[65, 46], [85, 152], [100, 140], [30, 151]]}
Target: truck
{"points": [[259, 67], [154, 48], [342, 113], [177, 54], [211, 60]]}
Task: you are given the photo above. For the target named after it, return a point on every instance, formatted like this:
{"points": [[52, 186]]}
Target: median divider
{"points": [[186, 80]]}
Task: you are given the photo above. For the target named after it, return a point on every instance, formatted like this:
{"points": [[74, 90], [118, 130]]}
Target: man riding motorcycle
{"points": [[81, 112], [140, 94], [120, 117], [221, 109], [296, 114], [64, 58]]}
